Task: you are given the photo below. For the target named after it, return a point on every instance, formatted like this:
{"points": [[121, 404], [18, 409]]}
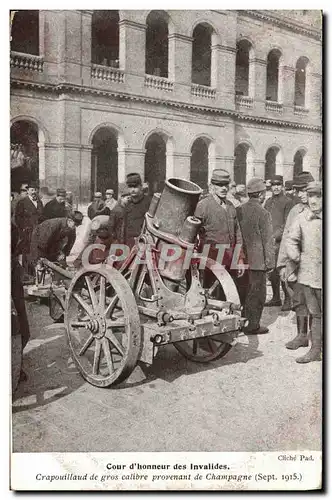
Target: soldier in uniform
{"points": [[97, 207], [278, 206], [110, 201], [256, 229], [54, 238], [56, 208], [286, 267], [136, 208], [220, 224], [304, 250]]}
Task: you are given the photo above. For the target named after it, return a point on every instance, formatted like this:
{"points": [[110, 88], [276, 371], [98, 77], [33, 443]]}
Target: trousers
{"points": [[255, 298]]}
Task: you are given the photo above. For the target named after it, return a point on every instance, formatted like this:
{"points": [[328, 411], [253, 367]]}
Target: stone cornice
{"points": [[132, 24], [224, 48], [284, 23], [178, 36], [71, 88]]}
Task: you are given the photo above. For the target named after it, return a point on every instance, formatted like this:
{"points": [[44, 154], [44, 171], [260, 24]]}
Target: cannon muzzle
{"points": [[64, 273]]}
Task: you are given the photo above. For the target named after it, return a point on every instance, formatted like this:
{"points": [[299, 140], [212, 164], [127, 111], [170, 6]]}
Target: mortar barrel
{"points": [[64, 273], [177, 202]]}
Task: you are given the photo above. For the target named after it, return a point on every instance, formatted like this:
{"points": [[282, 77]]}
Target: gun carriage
{"points": [[115, 317]]}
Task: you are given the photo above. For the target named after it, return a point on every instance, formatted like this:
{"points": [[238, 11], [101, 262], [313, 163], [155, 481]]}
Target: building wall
{"points": [[70, 101]]}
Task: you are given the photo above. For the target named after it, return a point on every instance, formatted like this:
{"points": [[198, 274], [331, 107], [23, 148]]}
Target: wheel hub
{"points": [[97, 326]]}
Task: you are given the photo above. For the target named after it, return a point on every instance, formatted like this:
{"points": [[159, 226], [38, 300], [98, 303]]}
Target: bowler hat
{"points": [[314, 187], [76, 216], [61, 192], [133, 180], [277, 179], [288, 185], [302, 180], [33, 184], [256, 185], [220, 176]]}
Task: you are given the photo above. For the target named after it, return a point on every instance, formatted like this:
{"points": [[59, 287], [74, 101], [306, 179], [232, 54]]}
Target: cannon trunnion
{"points": [[117, 317]]}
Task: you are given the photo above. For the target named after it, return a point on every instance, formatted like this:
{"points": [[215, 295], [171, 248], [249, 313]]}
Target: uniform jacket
{"points": [[50, 238], [53, 210], [27, 216], [256, 229], [134, 218], [283, 259], [279, 208], [304, 247]]}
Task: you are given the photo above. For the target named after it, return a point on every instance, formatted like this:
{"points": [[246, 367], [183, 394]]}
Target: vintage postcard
{"points": [[166, 249]]}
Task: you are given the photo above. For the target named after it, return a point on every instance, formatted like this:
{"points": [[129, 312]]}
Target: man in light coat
{"points": [[304, 249]]}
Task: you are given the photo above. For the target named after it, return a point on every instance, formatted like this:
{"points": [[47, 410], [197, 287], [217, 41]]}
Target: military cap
{"points": [[76, 216], [133, 180], [277, 179], [241, 189], [109, 191], [98, 194], [256, 185], [288, 185], [220, 176], [302, 180], [61, 192], [314, 187]]}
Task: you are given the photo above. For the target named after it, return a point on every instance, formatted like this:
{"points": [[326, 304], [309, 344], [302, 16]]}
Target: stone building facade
{"points": [[98, 94]]}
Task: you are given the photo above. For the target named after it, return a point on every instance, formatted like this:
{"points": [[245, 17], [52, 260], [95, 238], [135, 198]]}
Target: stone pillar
{"points": [[288, 169], [287, 90], [52, 173], [85, 175], [258, 69], [225, 74], [180, 58], [259, 168], [225, 162], [86, 16], [132, 50], [314, 170], [182, 165], [129, 161]]}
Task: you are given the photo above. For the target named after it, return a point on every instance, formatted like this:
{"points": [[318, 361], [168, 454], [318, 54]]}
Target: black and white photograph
{"points": [[166, 206]]}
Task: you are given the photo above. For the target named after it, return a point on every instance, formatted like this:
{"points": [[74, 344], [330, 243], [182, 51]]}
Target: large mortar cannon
{"points": [[117, 317]]}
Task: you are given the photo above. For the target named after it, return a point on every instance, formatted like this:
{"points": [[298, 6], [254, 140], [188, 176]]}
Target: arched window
{"points": [[300, 81], [105, 38], [201, 55], [156, 55], [272, 75], [298, 162], [242, 72], [25, 32], [24, 153], [104, 161], [199, 163], [155, 163], [272, 160]]}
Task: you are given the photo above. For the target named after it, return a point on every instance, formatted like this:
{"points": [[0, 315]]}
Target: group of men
{"points": [[281, 238]]}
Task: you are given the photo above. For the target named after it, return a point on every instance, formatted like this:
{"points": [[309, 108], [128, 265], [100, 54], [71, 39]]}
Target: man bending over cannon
{"points": [[54, 238]]}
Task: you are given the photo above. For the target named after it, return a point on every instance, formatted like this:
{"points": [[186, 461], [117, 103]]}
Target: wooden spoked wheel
{"points": [[218, 284], [102, 325]]}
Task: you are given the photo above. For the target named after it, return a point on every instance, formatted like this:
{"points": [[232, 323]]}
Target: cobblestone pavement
{"points": [[256, 398]]}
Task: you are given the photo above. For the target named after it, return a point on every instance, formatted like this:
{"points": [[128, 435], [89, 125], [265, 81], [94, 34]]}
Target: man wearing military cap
{"points": [[97, 207], [256, 228], [57, 207], [219, 221], [279, 207], [110, 201], [136, 209], [304, 250]]}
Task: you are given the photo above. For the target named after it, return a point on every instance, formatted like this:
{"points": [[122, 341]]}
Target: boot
{"points": [[301, 339], [314, 354], [275, 283], [287, 305]]}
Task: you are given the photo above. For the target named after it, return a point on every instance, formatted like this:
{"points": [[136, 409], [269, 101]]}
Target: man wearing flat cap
{"points": [[57, 207], [279, 207], [304, 249], [286, 267], [98, 206], [110, 201], [54, 238], [256, 228], [219, 222], [289, 190]]}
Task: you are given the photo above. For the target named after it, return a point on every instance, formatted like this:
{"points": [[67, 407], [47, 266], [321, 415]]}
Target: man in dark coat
{"points": [[220, 225], [98, 206], [28, 214], [279, 206], [136, 208], [54, 238], [56, 208], [256, 228]]}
